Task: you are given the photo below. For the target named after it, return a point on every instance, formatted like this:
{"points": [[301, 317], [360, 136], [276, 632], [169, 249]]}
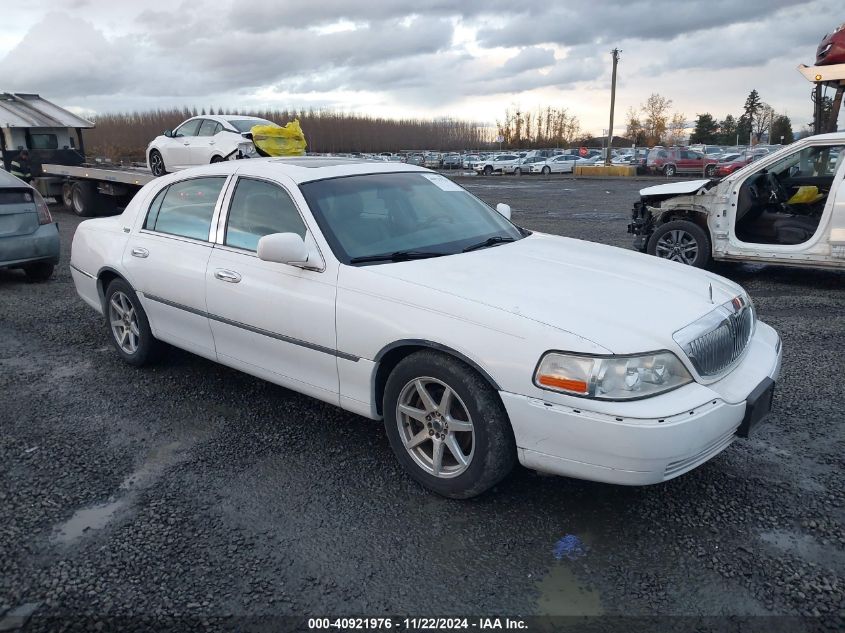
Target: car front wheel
{"points": [[447, 425], [488, 169], [127, 325], [681, 241], [547, 170], [669, 170]]}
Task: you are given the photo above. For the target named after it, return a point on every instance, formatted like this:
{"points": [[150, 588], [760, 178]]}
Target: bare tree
{"points": [[677, 133], [656, 112], [763, 121]]}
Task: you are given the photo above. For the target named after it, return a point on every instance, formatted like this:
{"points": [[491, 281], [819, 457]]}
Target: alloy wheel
{"points": [[123, 319], [435, 427], [156, 164], [677, 246]]}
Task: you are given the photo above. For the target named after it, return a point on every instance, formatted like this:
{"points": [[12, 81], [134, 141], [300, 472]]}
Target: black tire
{"points": [[488, 169], [547, 170], [710, 171], [157, 166], [517, 171], [669, 170], [494, 448], [149, 348], [67, 195], [38, 272], [87, 202], [698, 234], [217, 159]]}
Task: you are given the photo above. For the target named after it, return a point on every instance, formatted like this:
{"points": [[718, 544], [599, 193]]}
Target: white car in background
{"points": [[523, 165], [392, 292], [202, 140], [497, 163], [560, 164]]}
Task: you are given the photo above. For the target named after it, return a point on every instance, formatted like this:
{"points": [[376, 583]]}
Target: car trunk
{"points": [[18, 212]]}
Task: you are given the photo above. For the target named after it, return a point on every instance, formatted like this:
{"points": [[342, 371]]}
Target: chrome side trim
{"points": [[82, 272], [256, 330]]}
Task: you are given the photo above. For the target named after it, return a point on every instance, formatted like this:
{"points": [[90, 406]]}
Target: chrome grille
{"points": [[715, 342]]}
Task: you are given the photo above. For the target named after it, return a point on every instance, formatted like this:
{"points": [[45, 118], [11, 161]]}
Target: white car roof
{"points": [[300, 169], [224, 118]]}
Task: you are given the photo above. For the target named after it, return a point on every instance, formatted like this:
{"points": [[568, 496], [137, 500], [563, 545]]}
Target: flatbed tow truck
{"points": [[60, 169]]}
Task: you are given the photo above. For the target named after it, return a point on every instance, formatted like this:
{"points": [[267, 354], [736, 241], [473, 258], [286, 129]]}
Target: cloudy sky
{"points": [[468, 59]]}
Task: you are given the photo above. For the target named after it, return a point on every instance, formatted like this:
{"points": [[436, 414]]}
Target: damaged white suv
{"points": [[786, 208]]}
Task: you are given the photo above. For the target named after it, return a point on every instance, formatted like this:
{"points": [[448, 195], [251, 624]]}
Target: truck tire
{"points": [[67, 195], [87, 202], [681, 241]]}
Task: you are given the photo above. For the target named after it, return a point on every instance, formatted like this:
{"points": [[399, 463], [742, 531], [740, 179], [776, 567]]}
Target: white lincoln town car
{"points": [[392, 292]]}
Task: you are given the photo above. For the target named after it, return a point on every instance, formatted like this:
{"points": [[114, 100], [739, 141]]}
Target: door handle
{"points": [[186, 143], [227, 275], [140, 252], [211, 142]]}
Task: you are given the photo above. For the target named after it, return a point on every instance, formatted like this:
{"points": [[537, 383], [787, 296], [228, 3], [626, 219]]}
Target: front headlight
{"points": [[611, 377], [247, 148]]}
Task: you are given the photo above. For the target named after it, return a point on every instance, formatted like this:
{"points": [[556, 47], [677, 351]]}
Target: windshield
{"points": [[245, 125], [378, 214]]}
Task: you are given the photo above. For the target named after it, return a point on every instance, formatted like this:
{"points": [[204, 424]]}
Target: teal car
{"points": [[29, 239]]}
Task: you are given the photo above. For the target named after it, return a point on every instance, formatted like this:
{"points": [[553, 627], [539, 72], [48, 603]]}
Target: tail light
{"points": [[44, 216]]}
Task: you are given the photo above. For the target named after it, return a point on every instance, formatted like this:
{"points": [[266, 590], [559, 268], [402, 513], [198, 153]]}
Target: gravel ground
{"points": [[192, 490]]}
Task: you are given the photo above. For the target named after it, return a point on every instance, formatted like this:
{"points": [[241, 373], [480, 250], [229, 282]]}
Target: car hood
{"points": [[674, 188], [623, 301]]}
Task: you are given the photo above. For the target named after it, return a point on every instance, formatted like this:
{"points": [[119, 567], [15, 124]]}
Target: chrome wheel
{"points": [[435, 427], [156, 164], [124, 323], [677, 246]]}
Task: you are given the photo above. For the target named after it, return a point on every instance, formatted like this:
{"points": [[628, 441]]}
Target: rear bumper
{"points": [[619, 449], [40, 246]]}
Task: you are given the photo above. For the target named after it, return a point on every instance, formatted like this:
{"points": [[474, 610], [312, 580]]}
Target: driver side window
{"points": [[260, 208], [189, 128]]}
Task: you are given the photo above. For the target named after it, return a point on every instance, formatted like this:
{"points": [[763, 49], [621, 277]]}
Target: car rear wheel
{"points": [[127, 325], [710, 171], [447, 425], [669, 170], [547, 170], [40, 271], [488, 169], [681, 241], [157, 163]]}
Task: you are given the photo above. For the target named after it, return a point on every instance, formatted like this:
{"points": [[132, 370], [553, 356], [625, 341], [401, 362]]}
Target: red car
{"points": [[729, 167], [832, 48], [673, 160]]}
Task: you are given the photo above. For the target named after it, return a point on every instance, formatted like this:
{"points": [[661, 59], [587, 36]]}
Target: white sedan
{"points": [[498, 163], [202, 140], [561, 164], [390, 291]]}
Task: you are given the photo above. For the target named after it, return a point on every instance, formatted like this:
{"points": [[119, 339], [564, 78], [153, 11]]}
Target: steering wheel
{"points": [[754, 192], [777, 191]]}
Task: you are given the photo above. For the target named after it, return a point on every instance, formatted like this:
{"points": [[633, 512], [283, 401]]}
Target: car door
{"points": [[276, 321], [203, 144], [166, 257], [178, 153]]}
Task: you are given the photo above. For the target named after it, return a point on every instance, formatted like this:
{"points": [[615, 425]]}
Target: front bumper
{"points": [[39, 246], [637, 449], [641, 225]]}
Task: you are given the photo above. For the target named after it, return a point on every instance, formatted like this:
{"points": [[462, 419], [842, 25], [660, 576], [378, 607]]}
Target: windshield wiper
{"points": [[490, 241], [398, 256]]}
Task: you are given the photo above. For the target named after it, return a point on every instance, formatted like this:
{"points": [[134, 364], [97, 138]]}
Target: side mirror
{"points": [[504, 209], [282, 248], [168, 133]]}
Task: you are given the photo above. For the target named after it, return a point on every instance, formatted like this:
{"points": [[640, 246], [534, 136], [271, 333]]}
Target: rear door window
{"points": [[185, 208]]}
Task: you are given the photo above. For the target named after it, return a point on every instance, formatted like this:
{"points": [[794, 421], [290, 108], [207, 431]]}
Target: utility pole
{"points": [[615, 54]]}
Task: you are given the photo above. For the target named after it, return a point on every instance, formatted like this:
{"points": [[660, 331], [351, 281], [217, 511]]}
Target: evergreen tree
{"points": [[782, 129], [752, 107], [705, 130], [727, 131]]}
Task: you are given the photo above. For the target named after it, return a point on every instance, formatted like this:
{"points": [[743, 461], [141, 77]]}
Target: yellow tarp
{"points": [[806, 194], [272, 140]]}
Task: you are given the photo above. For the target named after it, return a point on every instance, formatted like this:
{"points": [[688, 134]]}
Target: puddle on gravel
{"points": [[561, 593], [804, 546], [96, 517]]}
